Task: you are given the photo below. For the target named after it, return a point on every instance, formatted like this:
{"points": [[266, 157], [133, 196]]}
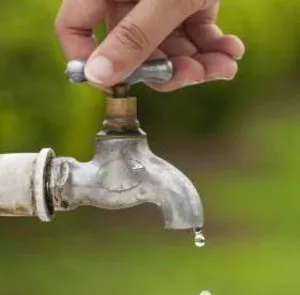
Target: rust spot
{"points": [[65, 204], [16, 211]]}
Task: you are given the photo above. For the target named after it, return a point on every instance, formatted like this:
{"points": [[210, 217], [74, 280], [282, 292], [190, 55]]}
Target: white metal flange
{"points": [[43, 210]]}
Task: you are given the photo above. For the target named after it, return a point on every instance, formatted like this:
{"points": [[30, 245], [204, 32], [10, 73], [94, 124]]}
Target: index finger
{"points": [[74, 26]]}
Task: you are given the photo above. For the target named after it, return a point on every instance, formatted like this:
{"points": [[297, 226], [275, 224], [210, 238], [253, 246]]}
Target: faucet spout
{"points": [[176, 196], [125, 173]]}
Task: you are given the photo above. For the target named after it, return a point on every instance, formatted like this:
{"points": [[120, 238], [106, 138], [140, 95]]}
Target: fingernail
{"points": [[191, 83], [221, 78], [225, 78], [99, 70]]}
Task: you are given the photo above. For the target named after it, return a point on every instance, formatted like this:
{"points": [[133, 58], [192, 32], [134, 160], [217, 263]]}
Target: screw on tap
{"points": [[75, 71], [120, 90]]}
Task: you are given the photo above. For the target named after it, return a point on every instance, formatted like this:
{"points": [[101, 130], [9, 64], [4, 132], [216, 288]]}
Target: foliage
{"points": [[251, 202]]}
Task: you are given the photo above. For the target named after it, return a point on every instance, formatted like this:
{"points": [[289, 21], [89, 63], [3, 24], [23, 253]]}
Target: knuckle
{"points": [[208, 19], [195, 5], [132, 37], [62, 29]]}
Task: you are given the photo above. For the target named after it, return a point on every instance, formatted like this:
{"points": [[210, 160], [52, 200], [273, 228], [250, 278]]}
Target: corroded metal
{"points": [[123, 172], [120, 117], [120, 90], [121, 107], [43, 202], [17, 210]]}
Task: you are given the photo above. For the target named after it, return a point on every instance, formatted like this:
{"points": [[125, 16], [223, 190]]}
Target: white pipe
{"points": [[23, 189], [123, 173]]}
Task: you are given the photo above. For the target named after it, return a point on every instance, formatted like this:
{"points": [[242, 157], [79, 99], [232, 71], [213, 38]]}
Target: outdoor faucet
{"points": [[122, 173]]}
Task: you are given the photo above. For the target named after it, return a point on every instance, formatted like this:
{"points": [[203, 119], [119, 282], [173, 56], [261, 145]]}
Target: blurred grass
{"points": [[251, 200], [252, 231], [260, 266]]}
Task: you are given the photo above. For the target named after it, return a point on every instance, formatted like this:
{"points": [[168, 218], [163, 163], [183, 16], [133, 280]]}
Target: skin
{"points": [[184, 31]]}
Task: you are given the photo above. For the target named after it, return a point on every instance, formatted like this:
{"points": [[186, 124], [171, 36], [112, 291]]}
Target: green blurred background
{"points": [[238, 141]]}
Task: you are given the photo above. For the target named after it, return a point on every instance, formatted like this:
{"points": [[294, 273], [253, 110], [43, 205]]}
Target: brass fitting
{"points": [[121, 117]]}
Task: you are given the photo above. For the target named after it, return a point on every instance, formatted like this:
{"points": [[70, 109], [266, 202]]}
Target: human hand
{"points": [[182, 30]]}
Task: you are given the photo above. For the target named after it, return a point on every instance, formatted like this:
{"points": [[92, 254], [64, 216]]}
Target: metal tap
{"points": [[123, 172], [159, 71]]}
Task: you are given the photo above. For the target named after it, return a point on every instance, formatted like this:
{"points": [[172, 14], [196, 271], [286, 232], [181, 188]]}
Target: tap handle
{"points": [[158, 71]]}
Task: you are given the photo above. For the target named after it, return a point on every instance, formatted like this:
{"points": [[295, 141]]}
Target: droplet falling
{"points": [[199, 238]]}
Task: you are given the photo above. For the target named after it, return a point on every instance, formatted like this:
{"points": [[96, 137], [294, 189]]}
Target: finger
{"points": [[218, 66], [202, 68], [177, 44], [135, 38], [229, 44], [205, 16], [157, 54], [74, 26], [209, 38], [201, 35], [187, 70], [117, 11]]}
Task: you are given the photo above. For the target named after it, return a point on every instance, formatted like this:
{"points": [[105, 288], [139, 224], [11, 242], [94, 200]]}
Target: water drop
{"points": [[199, 238], [205, 292]]}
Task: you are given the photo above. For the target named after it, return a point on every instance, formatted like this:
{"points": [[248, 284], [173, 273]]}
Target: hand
{"points": [[182, 30]]}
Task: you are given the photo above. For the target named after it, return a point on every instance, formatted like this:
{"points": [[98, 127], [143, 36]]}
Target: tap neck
{"points": [[112, 147], [121, 117]]}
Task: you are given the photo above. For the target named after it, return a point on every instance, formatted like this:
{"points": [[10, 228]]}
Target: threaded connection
{"points": [[121, 107], [121, 116]]}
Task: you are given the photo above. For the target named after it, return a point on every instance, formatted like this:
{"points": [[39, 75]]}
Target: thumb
{"points": [[135, 38]]}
